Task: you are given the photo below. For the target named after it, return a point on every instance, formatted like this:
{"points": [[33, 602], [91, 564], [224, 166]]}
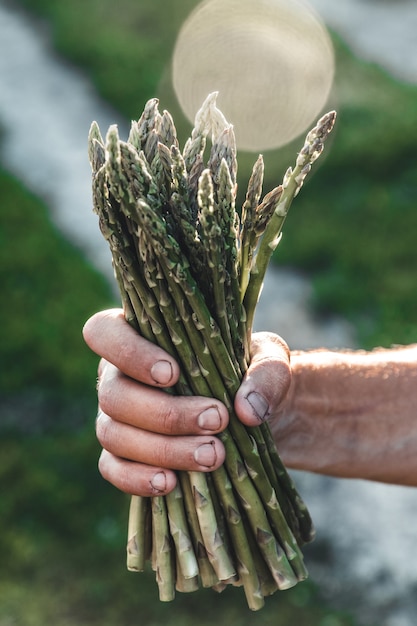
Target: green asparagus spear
{"points": [[190, 270]]}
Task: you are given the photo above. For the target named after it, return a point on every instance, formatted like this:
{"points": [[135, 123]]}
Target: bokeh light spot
{"points": [[271, 61]]}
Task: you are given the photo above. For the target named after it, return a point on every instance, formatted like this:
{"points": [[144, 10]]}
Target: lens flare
{"points": [[271, 61]]}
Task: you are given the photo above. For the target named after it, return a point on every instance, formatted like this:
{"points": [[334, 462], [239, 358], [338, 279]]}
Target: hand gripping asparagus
{"points": [[190, 266]]}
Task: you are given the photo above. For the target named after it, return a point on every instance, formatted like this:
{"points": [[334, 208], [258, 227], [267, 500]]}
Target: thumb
{"points": [[267, 380]]}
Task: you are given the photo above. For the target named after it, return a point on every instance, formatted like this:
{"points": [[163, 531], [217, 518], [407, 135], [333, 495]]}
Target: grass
{"points": [[50, 290]]}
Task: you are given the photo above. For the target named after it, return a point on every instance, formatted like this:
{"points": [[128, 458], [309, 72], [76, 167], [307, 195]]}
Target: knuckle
{"points": [[128, 352], [107, 394], [163, 453], [103, 465], [283, 374], [278, 342], [169, 418], [92, 329], [118, 475], [101, 368], [88, 330], [104, 431], [276, 375]]}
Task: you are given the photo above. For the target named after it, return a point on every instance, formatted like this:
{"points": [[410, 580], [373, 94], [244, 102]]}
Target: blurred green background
{"points": [[62, 528]]}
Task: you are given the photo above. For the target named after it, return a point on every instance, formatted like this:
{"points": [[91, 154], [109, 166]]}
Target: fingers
{"points": [[109, 335], [151, 433], [154, 410], [132, 457], [136, 478], [267, 380], [147, 433], [200, 453]]}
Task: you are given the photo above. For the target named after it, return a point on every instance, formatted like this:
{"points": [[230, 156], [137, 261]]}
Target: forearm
{"points": [[352, 414]]}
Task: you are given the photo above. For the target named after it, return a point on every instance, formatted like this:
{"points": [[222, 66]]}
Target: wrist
{"points": [[303, 427]]}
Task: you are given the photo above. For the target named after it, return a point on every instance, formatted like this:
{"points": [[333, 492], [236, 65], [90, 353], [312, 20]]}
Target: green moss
{"points": [[48, 291]]}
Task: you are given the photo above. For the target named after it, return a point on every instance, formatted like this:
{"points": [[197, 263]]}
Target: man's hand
{"points": [[146, 433]]}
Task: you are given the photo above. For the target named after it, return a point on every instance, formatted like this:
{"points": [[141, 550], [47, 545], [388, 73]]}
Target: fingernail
{"points": [[209, 419], [161, 372], [206, 454], [159, 482], [259, 405]]}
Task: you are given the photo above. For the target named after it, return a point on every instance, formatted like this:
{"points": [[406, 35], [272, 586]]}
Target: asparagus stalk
{"points": [[138, 545], [206, 572], [291, 186], [163, 554], [248, 235], [250, 451], [187, 561], [190, 271], [213, 541]]}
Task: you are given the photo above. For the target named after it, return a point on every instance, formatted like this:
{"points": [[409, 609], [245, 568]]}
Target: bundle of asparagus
{"points": [[190, 270]]}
